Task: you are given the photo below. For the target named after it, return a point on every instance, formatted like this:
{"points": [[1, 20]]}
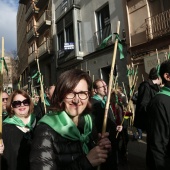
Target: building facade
{"points": [[148, 32], [85, 36], [65, 34], [22, 46], [8, 77], [39, 42]]}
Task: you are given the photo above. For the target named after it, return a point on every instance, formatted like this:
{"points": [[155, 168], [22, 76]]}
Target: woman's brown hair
{"points": [[65, 84], [10, 100]]}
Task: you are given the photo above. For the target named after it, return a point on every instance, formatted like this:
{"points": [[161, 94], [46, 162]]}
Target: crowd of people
{"points": [[70, 134]]}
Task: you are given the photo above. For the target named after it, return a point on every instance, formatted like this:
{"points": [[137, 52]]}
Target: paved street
{"points": [[136, 154]]}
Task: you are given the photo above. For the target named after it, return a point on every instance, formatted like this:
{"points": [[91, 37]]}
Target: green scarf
{"points": [[18, 122], [4, 113], [103, 104], [103, 101], [62, 124], [164, 90]]}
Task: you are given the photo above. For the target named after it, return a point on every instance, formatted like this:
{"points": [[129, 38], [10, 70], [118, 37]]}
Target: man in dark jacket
{"points": [[158, 129], [146, 92], [98, 110], [38, 107]]}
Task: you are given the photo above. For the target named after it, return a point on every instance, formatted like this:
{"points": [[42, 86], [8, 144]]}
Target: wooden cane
{"points": [[41, 87], [110, 82]]}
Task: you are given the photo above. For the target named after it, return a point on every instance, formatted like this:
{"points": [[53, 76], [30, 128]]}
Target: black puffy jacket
{"points": [[51, 151], [146, 92]]}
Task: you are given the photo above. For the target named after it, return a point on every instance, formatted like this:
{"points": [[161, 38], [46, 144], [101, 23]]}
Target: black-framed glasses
{"points": [[3, 99], [82, 95], [18, 103]]}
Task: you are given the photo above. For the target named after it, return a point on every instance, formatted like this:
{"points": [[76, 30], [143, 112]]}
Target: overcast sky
{"points": [[8, 12]]}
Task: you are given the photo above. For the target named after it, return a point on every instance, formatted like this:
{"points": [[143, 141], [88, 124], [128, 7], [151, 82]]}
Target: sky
{"points": [[8, 13]]}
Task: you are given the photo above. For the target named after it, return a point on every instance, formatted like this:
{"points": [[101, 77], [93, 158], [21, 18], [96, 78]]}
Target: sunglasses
{"points": [[3, 99], [18, 103]]}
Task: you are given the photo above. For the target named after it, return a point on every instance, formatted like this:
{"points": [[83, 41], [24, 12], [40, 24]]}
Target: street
{"points": [[136, 154]]}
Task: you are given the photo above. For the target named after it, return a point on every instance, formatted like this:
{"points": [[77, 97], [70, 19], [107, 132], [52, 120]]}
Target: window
{"points": [[103, 17], [79, 35], [65, 30], [61, 40], [166, 5], [69, 34], [30, 25], [103, 24], [32, 48]]}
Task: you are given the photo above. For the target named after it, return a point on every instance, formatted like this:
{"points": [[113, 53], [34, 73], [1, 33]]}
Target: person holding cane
{"points": [[65, 137]]}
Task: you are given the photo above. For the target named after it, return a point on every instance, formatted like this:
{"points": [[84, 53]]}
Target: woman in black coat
{"points": [[17, 131], [65, 138]]}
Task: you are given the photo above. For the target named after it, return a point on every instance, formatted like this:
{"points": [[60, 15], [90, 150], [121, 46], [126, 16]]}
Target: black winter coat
{"points": [[146, 92], [39, 110], [158, 133], [17, 148], [98, 116], [51, 151]]}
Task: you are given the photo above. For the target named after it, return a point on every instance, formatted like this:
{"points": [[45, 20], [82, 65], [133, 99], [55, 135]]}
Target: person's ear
{"points": [[95, 90], [167, 76]]}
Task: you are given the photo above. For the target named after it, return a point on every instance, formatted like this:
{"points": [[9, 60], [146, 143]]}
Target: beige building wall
{"points": [[7, 79], [22, 47]]}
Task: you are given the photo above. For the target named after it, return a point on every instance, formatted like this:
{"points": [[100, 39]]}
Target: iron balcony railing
{"points": [[32, 9], [32, 33], [158, 25], [32, 56], [22, 2], [65, 6], [45, 18], [101, 35], [46, 46]]}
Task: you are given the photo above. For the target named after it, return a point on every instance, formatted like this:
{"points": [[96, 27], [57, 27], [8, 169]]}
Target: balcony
{"points": [[65, 6], [100, 37], [158, 25], [41, 3], [45, 48], [31, 10], [67, 57], [32, 34], [26, 1], [32, 56], [23, 2], [44, 22]]}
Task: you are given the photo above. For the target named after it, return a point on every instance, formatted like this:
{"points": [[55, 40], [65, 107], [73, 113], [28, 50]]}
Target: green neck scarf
{"points": [[4, 113], [103, 104], [103, 101], [62, 124], [18, 122], [164, 90]]}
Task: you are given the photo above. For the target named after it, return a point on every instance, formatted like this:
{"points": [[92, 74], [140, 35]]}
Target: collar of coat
{"points": [[164, 90]]}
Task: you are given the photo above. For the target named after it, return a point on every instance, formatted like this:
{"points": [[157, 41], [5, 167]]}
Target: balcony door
{"points": [[103, 24]]}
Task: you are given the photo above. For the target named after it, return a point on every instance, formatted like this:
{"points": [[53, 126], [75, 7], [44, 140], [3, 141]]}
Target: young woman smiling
{"points": [[17, 131]]}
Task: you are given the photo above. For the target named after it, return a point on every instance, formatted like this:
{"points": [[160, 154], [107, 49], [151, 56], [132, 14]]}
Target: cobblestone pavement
{"points": [[136, 154]]}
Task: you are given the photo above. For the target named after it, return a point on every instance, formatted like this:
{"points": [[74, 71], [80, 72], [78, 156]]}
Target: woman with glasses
{"points": [[17, 131], [65, 138]]}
